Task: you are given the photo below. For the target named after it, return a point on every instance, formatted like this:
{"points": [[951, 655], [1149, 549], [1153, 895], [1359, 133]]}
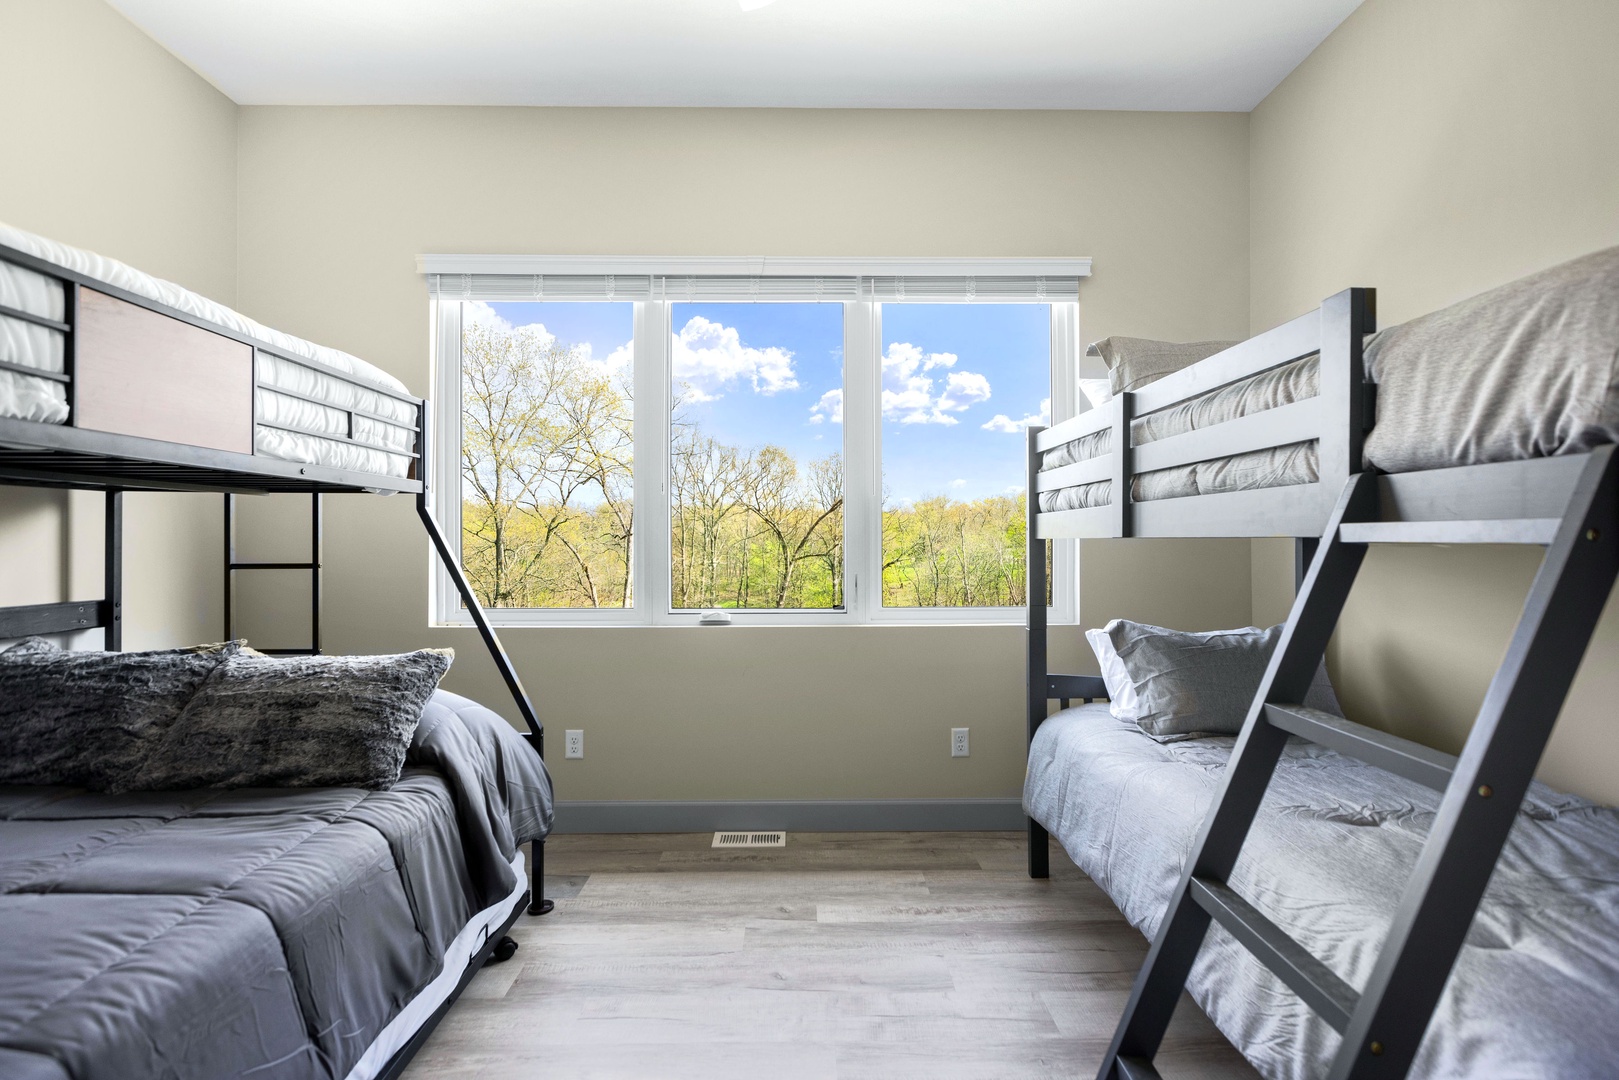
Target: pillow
{"points": [[306, 721], [1096, 391], [1121, 692], [1187, 684], [85, 718], [1135, 362]]}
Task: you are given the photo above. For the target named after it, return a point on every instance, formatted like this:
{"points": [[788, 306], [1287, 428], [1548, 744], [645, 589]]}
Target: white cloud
{"points": [[909, 395], [1002, 422], [830, 407], [709, 358], [479, 313], [958, 483]]}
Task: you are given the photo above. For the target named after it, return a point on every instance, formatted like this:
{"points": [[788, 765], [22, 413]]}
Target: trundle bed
{"points": [[266, 932], [1319, 886]]}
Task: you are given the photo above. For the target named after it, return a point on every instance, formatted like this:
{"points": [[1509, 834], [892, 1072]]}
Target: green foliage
{"points": [[548, 510]]}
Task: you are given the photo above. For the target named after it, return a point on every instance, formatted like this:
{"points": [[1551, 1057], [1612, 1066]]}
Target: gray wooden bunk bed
{"points": [[1486, 423], [112, 381]]}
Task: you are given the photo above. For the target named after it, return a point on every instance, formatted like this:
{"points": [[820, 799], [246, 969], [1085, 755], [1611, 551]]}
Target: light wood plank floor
{"points": [[844, 955]]}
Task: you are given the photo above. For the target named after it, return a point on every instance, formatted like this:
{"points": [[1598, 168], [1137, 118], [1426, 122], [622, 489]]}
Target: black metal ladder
{"points": [[232, 565], [1383, 1023]]}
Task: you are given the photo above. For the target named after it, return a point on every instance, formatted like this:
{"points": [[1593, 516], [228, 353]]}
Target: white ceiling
{"points": [[1221, 55]]}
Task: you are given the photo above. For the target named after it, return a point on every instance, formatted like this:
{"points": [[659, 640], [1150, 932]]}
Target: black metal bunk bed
{"points": [[1568, 505], [70, 456]]}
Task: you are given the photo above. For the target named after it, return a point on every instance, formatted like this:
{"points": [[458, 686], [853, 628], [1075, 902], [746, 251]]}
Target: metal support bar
{"points": [[508, 672], [1036, 686], [312, 567], [113, 571]]}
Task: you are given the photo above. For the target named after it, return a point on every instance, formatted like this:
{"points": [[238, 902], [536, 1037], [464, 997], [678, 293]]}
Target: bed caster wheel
{"points": [[505, 949], [541, 907]]}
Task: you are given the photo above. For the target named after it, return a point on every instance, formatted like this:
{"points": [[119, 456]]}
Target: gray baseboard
{"points": [[808, 815]]}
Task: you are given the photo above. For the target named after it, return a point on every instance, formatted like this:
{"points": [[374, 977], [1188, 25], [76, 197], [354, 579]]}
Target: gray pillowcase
{"points": [[1530, 369], [1135, 362], [308, 721], [84, 719], [1201, 683]]}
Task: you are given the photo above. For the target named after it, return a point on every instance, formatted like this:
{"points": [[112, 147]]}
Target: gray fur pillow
{"points": [[307, 721], [85, 718]]}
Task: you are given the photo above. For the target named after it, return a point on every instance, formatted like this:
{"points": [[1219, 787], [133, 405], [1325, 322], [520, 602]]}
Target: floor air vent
{"points": [[750, 839]]}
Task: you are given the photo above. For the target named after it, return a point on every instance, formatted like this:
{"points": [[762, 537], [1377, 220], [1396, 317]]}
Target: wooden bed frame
{"points": [[1569, 505], [161, 400]]}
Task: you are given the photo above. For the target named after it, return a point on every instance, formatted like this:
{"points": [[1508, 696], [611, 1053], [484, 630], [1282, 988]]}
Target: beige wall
{"points": [[1432, 149], [335, 204], [115, 145]]}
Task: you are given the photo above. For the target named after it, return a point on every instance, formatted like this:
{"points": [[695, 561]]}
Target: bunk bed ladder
{"points": [[1383, 1023], [312, 567]]}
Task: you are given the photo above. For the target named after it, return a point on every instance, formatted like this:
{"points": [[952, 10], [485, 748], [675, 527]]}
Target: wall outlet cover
{"points": [[573, 743], [958, 742]]}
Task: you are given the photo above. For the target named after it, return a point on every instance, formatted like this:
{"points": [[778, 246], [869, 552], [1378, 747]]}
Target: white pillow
{"points": [[1096, 391], [1121, 691]]}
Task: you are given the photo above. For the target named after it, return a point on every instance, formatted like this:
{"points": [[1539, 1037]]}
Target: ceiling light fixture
{"points": [[753, 5]]}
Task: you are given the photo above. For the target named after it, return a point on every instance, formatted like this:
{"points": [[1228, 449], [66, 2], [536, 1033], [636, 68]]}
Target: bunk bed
{"points": [[361, 914], [1323, 889]]}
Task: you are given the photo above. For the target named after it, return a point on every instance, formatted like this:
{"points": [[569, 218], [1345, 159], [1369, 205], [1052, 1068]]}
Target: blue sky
{"points": [[960, 381]]}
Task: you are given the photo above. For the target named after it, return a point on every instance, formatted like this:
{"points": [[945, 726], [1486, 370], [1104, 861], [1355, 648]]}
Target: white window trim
{"points": [[862, 435]]}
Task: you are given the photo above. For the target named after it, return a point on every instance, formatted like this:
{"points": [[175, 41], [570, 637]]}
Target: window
{"points": [[961, 383], [618, 442], [755, 471], [547, 453]]}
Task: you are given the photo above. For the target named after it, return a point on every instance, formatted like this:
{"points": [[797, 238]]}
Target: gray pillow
{"points": [[1135, 362], [307, 721], [85, 718], [1200, 683]]}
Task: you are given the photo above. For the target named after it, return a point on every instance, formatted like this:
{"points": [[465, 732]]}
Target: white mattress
{"points": [[385, 446]]}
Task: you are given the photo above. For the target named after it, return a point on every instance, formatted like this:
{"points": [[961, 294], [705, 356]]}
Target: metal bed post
{"points": [[538, 904], [112, 618], [1036, 668]]}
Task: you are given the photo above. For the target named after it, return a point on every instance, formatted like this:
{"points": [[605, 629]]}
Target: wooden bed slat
{"points": [[1300, 421], [1080, 472], [1076, 427], [1276, 346]]}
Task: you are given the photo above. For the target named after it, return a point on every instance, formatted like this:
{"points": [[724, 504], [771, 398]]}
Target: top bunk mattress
{"points": [[1533, 992], [1526, 370], [302, 409]]}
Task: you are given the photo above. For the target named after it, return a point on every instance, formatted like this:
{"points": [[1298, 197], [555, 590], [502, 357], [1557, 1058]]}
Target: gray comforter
{"points": [[204, 934], [1535, 993]]}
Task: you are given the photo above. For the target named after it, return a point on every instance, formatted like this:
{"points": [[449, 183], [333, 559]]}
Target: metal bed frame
{"points": [[1568, 505], [65, 456]]}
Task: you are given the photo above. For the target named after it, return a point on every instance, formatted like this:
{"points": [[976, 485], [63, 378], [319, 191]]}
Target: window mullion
{"points": [[862, 468], [652, 403]]}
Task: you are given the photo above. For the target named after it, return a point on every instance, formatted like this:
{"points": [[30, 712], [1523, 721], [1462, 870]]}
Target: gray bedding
{"points": [[275, 933], [1535, 993]]}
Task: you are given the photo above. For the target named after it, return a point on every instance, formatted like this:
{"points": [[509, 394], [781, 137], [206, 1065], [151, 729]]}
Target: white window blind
{"points": [[692, 288]]}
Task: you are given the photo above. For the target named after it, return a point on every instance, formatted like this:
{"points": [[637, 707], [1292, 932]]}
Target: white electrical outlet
{"points": [[573, 742], [958, 742]]}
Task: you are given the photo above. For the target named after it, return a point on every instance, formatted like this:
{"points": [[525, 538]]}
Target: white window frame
{"points": [[862, 435]]}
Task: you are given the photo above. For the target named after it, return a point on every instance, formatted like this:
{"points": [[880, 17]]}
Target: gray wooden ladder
{"points": [[1383, 1023], [312, 567]]}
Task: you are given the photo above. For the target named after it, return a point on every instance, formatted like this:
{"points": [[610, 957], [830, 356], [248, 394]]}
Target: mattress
{"points": [[1533, 991], [277, 933], [290, 427], [1297, 463]]}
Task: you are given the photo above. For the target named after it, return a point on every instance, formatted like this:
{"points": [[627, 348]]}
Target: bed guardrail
{"points": [[1337, 418]]}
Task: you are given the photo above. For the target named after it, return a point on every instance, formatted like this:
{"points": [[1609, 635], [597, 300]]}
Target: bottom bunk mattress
{"points": [[1535, 992], [274, 933]]}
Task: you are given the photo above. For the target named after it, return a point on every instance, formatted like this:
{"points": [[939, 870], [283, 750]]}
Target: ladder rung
{"points": [[1333, 999], [1489, 531], [274, 566], [1403, 757], [1134, 1068]]}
